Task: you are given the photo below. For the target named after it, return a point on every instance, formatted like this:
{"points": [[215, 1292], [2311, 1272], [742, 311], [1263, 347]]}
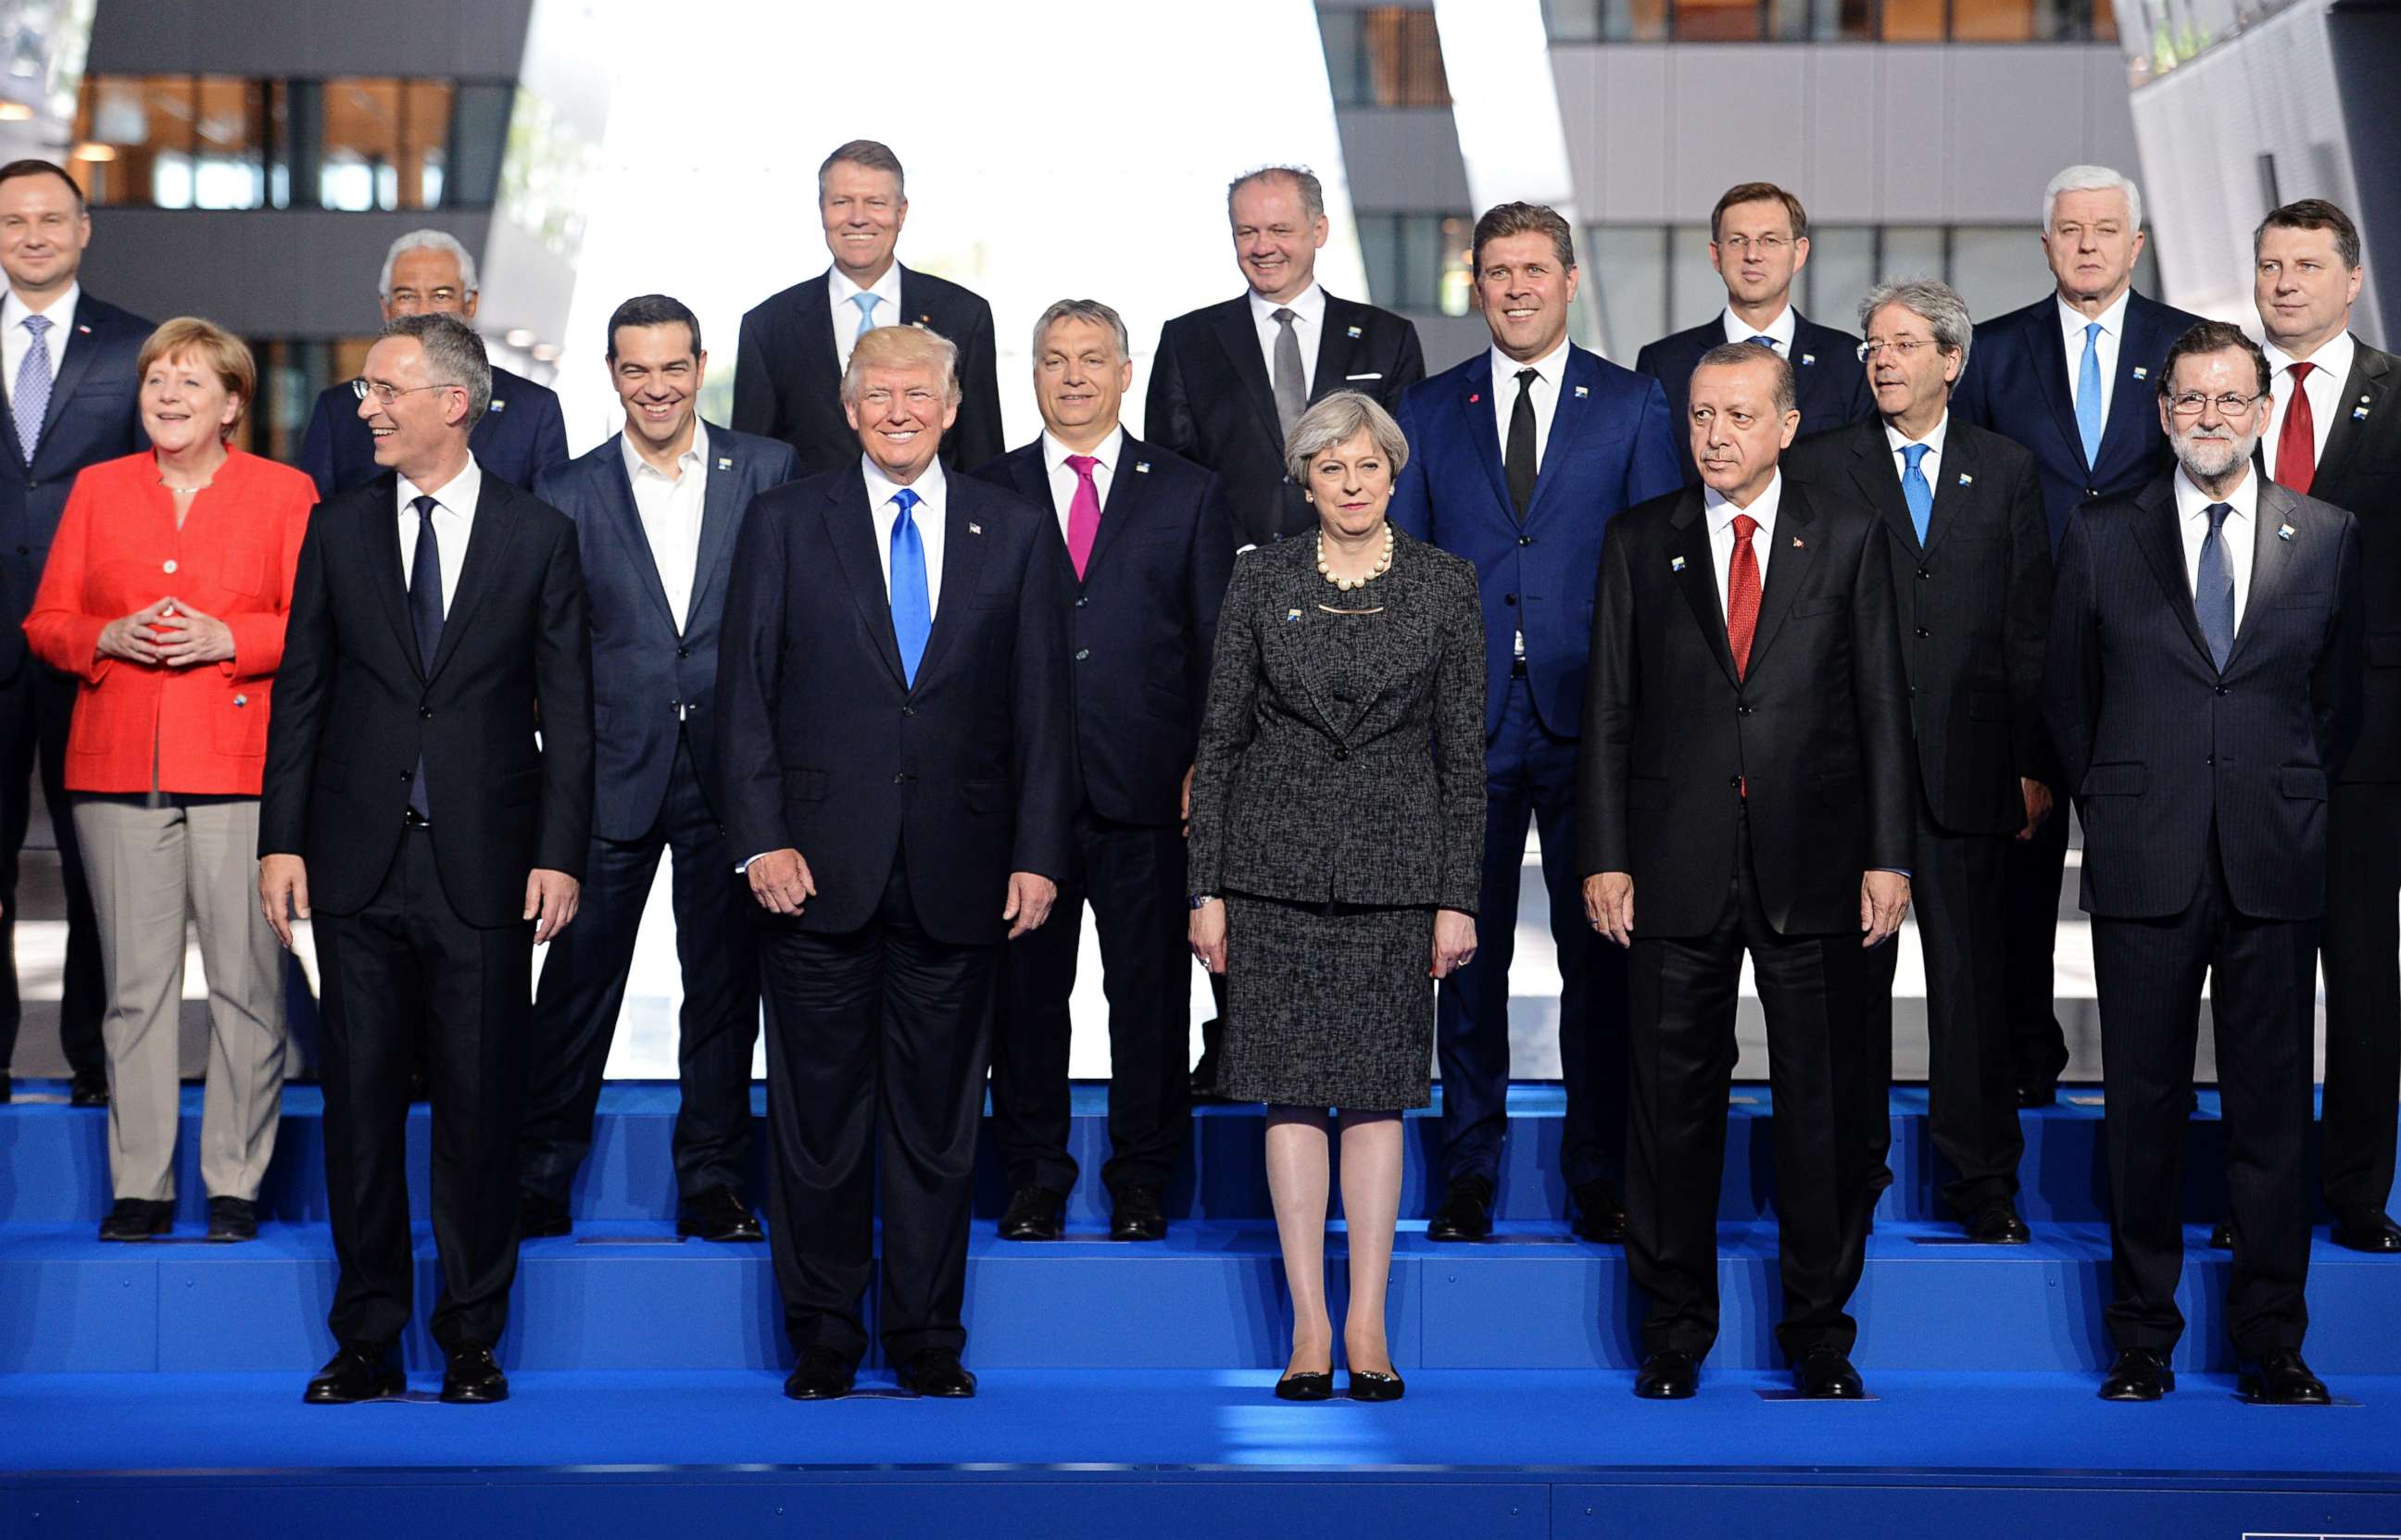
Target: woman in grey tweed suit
{"points": [[1337, 852]]}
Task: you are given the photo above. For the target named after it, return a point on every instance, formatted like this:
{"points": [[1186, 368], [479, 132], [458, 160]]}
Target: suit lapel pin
{"points": [[1966, 480], [1292, 615], [1351, 332], [82, 330], [923, 321], [1796, 542], [1142, 467], [725, 462], [2140, 373], [1808, 358], [1473, 397], [1676, 564], [2359, 413], [1582, 391], [498, 405], [974, 528], [2283, 532]]}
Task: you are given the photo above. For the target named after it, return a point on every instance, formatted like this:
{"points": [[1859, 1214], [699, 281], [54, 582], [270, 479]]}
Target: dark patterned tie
{"points": [[31, 401], [425, 613]]}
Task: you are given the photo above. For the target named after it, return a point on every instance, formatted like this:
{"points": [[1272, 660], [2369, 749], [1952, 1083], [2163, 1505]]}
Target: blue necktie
{"points": [[2213, 588], [912, 607], [1916, 490], [867, 304], [1763, 340], [30, 400], [425, 615], [2088, 396]]}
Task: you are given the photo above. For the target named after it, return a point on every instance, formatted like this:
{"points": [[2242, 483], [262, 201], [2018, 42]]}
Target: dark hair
{"points": [[2212, 337], [652, 310], [16, 169], [874, 154], [1504, 220], [2312, 214], [454, 355], [1735, 355], [1761, 191]]}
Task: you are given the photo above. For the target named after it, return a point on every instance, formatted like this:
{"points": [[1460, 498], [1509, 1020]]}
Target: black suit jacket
{"points": [[967, 775], [1832, 385], [788, 374], [2159, 746], [1141, 624], [1211, 400], [354, 708], [520, 435], [647, 680], [92, 416], [1973, 603], [1818, 727]]}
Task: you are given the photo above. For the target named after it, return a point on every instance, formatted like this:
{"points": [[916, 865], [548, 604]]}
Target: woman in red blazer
{"points": [[165, 594]]}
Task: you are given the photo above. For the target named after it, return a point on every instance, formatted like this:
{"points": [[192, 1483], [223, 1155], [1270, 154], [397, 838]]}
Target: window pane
{"points": [[1572, 21], [2105, 22], [1404, 56], [1996, 269], [479, 137], [1455, 254], [1840, 270], [229, 160], [424, 143], [1911, 251], [1346, 70], [1626, 273], [1694, 290], [1912, 21], [361, 144], [134, 140], [1635, 20], [1379, 254], [1717, 20]]}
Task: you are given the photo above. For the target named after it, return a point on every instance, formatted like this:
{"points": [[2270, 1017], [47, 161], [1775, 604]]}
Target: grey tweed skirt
{"points": [[1328, 1007]]}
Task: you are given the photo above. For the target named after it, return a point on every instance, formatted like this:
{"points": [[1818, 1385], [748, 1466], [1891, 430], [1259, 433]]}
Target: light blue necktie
{"points": [[30, 400], [1916, 490], [1763, 340], [867, 304], [912, 608], [2088, 396], [2213, 588]]}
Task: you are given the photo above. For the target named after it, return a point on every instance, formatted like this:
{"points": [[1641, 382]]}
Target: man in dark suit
{"points": [[2070, 378], [1144, 532], [438, 622], [2201, 687], [1519, 456], [795, 345], [2333, 432], [1972, 590], [657, 511], [1745, 786], [66, 368], [522, 434], [1230, 379], [895, 736], [1759, 242]]}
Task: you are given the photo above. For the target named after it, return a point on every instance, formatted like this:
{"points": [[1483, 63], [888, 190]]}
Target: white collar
{"points": [[2113, 319], [2193, 503], [1054, 454], [1309, 306], [2333, 359], [1552, 366], [1782, 328], [461, 494], [13, 311], [1763, 508], [697, 455], [929, 484], [887, 288], [1894, 439]]}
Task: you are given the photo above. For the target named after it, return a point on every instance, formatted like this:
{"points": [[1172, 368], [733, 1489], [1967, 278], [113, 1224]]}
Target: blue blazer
{"points": [[2016, 384], [644, 672], [1613, 445], [521, 435], [92, 416], [1830, 383]]}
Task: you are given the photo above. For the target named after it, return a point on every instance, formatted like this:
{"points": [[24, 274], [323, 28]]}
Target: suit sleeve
{"points": [[2337, 681], [549, 436], [2026, 625], [1211, 563], [1880, 693], [258, 634], [978, 431], [1969, 398], [317, 448], [1459, 747], [1040, 716], [780, 466], [1604, 758], [1166, 413], [1412, 506], [1652, 469], [1227, 727], [2071, 675], [562, 679], [749, 684], [1408, 368], [57, 628], [757, 408], [304, 683]]}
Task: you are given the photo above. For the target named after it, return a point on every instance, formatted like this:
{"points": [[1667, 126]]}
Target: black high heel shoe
{"points": [[1368, 1385], [1306, 1387]]}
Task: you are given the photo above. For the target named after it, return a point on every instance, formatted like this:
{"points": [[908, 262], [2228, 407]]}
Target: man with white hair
{"points": [[2070, 377], [522, 434]]}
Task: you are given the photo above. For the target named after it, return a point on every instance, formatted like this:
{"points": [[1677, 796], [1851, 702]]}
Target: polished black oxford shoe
{"points": [[821, 1375], [1670, 1374], [1997, 1224], [357, 1371], [1825, 1374], [2370, 1230], [538, 1217], [719, 1214], [473, 1377], [2282, 1379], [232, 1219], [1137, 1215], [1465, 1214], [2140, 1374], [1600, 1216], [937, 1371], [1035, 1214], [137, 1219]]}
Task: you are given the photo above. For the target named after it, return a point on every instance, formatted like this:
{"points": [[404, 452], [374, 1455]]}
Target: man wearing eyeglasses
{"points": [[1759, 242], [2202, 689], [1962, 513]]}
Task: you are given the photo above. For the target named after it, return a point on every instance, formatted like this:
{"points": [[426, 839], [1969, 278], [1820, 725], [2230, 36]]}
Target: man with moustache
{"points": [[795, 345], [895, 735], [1145, 533], [1746, 787], [1520, 456], [2334, 434], [2203, 688], [658, 510], [1970, 562]]}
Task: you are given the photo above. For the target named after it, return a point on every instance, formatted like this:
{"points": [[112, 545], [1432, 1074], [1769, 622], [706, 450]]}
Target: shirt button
{"points": [[1922, 632], [1342, 753], [1735, 780], [1923, 573], [683, 652], [426, 712], [1525, 539], [171, 564], [1742, 710], [1081, 603], [406, 775], [1508, 599], [897, 778], [908, 711]]}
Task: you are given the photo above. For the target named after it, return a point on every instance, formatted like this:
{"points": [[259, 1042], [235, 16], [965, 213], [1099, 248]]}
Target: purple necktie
{"points": [[1083, 513]]}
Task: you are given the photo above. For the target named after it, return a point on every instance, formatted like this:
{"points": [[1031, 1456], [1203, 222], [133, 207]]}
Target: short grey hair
{"points": [[1313, 192], [454, 355], [2093, 179], [1090, 310], [1338, 419], [1932, 301], [902, 347], [1735, 354], [427, 241]]}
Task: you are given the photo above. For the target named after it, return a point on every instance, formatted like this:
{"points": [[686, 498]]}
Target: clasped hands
{"points": [[1609, 904], [782, 883], [167, 630]]}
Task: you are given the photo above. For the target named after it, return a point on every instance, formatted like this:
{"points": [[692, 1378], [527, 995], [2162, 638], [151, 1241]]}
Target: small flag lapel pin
{"points": [[2359, 413], [499, 405], [1582, 391], [2140, 373], [1142, 467], [1676, 564], [1808, 358], [1473, 397], [1966, 480], [1292, 615], [1796, 543], [81, 330], [725, 462], [974, 528], [2283, 532], [1353, 331]]}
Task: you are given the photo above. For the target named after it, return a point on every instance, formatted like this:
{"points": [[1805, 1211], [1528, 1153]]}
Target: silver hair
{"points": [[1735, 355], [427, 241], [2093, 179], [1090, 310], [454, 355], [1338, 419], [1313, 192], [1933, 301]]}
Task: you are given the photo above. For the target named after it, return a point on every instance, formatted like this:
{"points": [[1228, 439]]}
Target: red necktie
{"points": [[1083, 513], [1742, 593], [2297, 445]]}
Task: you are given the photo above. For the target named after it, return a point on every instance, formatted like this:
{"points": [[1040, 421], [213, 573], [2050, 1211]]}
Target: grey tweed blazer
{"points": [[1295, 796]]}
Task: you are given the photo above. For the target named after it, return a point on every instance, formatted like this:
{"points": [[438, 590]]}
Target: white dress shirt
{"points": [[1308, 310], [454, 526], [1064, 478], [1778, 332], [2324, 384], [839, 290], [2072, 322], [2239, 534], [1932, 462], [1721, 515], [932, 493], [1551, 372], [670, 512], [15, 339]]}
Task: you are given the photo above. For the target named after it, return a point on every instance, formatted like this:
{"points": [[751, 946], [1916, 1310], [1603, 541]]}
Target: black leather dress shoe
{"points": [[538, 1217], [473, 1377], [1035, 1214], [2282, 1379], [1306, 1387], [719, 1214], [357, 1371], [1600, 1216], [87, 1091], [232, 1219], [2221, 1236], [1997, 1224], [1137, 1215], [1824, 1374], [2368, 1230], [1670, 1374], [2140, 1374], [137, 1219], [821, 1375], [1368, 1385], [1465, 1214], [937, 1371]]}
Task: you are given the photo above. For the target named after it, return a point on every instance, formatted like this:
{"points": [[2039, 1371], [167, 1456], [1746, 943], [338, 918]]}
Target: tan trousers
{"points": [[149, 868]]}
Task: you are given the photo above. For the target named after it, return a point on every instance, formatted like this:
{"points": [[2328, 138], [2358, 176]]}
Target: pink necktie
{"points": [[1083, 513]]}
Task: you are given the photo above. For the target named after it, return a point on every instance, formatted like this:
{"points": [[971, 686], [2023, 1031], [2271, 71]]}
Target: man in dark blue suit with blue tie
{"points": [[2087, 414], [657, 509], [1519, 458]]}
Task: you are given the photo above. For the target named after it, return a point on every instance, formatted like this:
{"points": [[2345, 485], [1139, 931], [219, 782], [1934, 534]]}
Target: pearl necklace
{"points": [[1383, 564]]}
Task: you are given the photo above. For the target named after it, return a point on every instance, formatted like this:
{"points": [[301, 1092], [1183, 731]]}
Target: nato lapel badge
{"points": [[1142, 467], [1353, 331], [1808, 358], [498, 404], [1675, 564], [1966, 480], [725, 462], [2359, 413], [2140, 373], [2283, 532], [1582, 391], [1292, 615], [974, 528]]}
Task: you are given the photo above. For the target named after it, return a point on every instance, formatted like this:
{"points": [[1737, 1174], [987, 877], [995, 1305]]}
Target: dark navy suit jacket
{"points": [[1831, 385], [1612, 445], [647, 678], [519, 436]]}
